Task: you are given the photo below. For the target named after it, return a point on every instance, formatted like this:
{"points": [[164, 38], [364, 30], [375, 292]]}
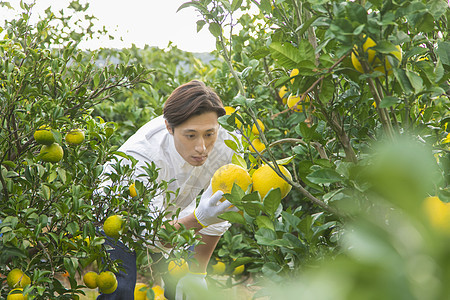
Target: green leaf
{"points": [[324, 176], [239, 161], [226, 4], [307, 51], [403, 80], [290, 219], [265, 6], [231, 144], [437, 8], [265, 236], [304, 27], [233, 217], [285, 54], [195, 4], [443, 51], [215, 29], [252, 204], [200, 25], [271, 201], [236, 5], [389, 101], [260, 53], [356, 13], [264, 222], [415, 80], [285, 161], [426, 23], [327, 90]]}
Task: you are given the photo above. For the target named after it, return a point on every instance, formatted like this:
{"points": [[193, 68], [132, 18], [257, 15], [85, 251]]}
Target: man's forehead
{"points": [[196, 130]]}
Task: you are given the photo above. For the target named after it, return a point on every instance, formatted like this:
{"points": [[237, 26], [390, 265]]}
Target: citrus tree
{"points": [[362, 74], [53, 196]]}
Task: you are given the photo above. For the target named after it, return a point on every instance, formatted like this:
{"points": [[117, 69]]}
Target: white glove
{"points": [[190, 286], [208, 210]]}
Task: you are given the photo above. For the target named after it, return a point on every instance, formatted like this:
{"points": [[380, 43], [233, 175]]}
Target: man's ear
{"points": [[169, 128]]}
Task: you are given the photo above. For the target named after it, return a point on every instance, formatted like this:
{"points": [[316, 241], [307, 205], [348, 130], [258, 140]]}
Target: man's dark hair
{"points": [[191, 99]]}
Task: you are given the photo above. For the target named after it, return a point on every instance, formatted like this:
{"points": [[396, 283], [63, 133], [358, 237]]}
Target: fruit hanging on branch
{"points": [[373, 57]]}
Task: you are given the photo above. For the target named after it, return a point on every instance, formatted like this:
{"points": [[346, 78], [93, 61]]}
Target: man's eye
{"points": [[190, 136]]}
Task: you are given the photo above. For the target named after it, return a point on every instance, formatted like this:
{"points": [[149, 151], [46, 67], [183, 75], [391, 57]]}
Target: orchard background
{"points": [[365, 149]]}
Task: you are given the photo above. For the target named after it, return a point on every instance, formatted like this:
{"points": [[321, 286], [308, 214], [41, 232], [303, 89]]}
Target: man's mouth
{"points": [[199, 158]]}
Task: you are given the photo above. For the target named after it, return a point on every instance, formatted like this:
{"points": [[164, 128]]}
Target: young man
{"points": [[186, 144]]}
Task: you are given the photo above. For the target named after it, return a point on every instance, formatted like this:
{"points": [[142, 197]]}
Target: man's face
{"points": [[195, 138]]}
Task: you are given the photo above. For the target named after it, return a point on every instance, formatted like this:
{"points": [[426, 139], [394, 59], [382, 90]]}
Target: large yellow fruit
{"points": [[259, 146], [16, 296], [227, 175], [372, 58], [178, 268], [219, 268], [132, 189], [438, 213], [75, 137], [239, 270], [52, 153], [229, 110], [113, 226], [292, 101], [44, 136], [293, 73], [17, 279], [140, 294], [255, 129], [282, 93], [265, 179], [159, 293], [106, 282], [90, 279]]}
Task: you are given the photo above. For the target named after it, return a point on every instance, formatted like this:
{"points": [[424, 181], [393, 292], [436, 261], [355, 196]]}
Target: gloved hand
{"points": [[191, 286], [208, 210]]}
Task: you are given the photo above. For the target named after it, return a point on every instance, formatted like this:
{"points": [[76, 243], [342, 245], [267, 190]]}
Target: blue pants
{"points": [[126, 279]]}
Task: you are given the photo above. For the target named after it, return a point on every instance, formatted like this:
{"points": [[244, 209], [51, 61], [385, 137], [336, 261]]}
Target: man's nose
{"points": [[200, 147]]}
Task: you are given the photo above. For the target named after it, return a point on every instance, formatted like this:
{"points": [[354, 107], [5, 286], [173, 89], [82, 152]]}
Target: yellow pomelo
{"points": [[113, 226], [438, 213], [239, 270], [178, 268], [16, 294], [140, 294], [293, 73], [373, 61], [132, 189], [282, 93], [265, 179], [106, 282], [75, 137], [44, 136], [229, 110], [111, 289], [52, 153], [227, 175], [293, 99], [90, 279], [255, 129], [17, 279], [258, 145], [219, 268], [159, 293]]}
